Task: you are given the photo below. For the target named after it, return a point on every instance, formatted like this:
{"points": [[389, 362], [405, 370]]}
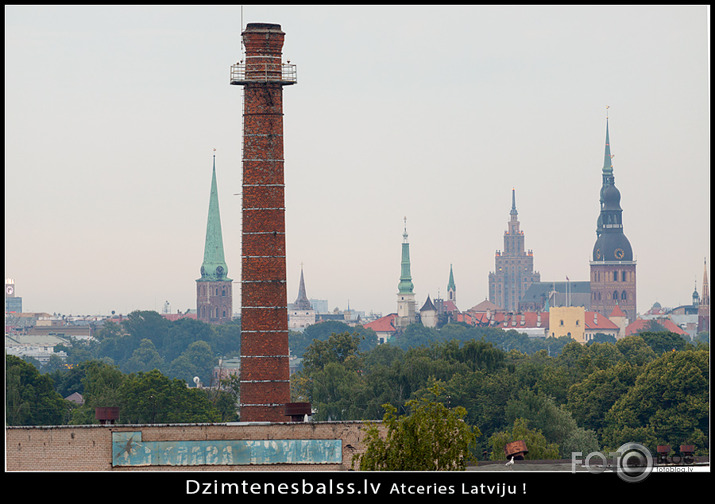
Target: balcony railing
{"points": [[257, 73]]}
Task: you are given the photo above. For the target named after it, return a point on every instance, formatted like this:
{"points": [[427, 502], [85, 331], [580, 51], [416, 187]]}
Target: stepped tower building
{"points": [[513, 268]]}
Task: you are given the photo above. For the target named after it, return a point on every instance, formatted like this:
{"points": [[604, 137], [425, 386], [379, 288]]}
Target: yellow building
{"points": [[568, 321]]}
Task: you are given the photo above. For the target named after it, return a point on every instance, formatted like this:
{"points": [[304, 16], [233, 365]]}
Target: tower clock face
{"points": [[598, 253], [9, 289], [619, 253]]}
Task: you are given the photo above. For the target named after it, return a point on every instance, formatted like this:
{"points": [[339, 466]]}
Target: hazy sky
{"points": [[427, 112]]}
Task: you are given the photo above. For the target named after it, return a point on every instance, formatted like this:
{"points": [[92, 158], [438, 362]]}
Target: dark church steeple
{"points": [[613, 270], [611, 243], [302, 302]]}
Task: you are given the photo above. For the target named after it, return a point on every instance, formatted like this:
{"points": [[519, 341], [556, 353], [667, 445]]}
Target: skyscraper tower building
{"points": [[613, 270], [513, 268], [264, 374], [214, 290], [406, 313]]}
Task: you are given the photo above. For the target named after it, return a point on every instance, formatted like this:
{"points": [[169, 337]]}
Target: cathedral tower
{"points": [[513, 268], [613, 270], [264, 375], [214, 290]]}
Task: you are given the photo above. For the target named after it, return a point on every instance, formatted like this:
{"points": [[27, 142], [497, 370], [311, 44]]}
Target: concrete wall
{"points": [[90, 447]]}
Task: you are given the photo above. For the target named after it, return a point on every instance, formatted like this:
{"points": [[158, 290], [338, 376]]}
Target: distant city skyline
{"points": [[433, 113]]}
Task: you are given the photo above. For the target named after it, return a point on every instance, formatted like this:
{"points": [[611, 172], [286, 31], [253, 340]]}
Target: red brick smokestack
{"points": [[265, 386]]}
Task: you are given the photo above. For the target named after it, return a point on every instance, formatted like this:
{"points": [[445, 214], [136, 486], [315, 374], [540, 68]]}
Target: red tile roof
{"points": [[639, 325], [595, 321], [505, 320], [384, 324], [530, 319], [484, 306], [449, 306], [617, 312]]}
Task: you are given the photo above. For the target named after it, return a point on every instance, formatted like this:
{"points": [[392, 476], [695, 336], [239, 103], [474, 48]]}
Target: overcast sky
{"points": [[427, 112]]}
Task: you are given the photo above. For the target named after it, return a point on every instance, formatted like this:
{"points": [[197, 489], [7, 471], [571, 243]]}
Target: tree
{"points": [[100, 388], [635, 350], [144, 358], [196, 360], [668, 404], [341, 348], [537, 445], [30, 398], [334, 392], [554, 422], [590, 399], [431, 437], [154, 398], [663, 341]]}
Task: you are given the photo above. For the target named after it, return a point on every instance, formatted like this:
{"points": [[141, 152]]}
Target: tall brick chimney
{"points": [[264, 375]]}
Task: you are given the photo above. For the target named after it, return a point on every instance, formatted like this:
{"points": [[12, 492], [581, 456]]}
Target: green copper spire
{"points": [[405, 286], [214, 266], [450, 284], [607, 158]]}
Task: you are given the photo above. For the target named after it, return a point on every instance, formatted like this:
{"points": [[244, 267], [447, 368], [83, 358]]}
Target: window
{"points": [[562, 323], [615, 276], [624, 296], [623, 276], [615, 295]]}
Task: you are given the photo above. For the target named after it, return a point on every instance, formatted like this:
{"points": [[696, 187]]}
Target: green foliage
{"points": [[100, 388], [663, 341], [300, 341], [153, 398], [339, 348], [589, 399], [648, 388], [668, 404], [431, 437], [539, 448], [145, 341], [30, 398]]}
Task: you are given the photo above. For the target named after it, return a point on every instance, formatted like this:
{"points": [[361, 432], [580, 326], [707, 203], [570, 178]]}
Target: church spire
{"points": [[611, 242], [214, 266], [607, 157], [513, 211], [405, 286], [451, 287], [302, 302]]}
